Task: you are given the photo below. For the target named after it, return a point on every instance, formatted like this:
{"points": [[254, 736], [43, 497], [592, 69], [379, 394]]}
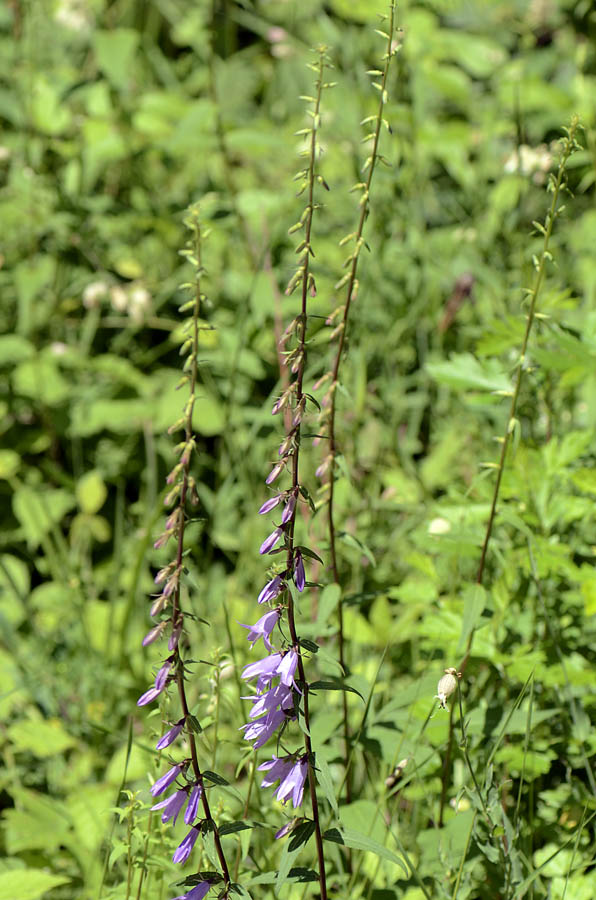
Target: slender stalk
{"points": [[352, 285], [296, 432], [176, 608], [555, 185]]}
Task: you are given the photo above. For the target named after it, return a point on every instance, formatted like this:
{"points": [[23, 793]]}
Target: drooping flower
{"points": [[262, 729], [193, 804], [149, 696], [162, 676], [170, 736], [291, 775], [264, 669], [184, 849], [166, 780], [280, 695], [197, 892], [263, 628], [272, 589], [289, 509], [171, 806], [299, 574], [287, 668], [270, 504], [270, 541]]}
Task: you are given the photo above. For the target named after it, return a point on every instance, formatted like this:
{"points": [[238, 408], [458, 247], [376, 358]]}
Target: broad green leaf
{"points": [[38, 510], [115, 52], [28, 884], [474, 601], [42, 738], [464, 372]]}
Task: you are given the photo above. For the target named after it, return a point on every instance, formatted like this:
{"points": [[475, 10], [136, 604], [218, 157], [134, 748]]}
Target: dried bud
{"points": [[446, 686]]}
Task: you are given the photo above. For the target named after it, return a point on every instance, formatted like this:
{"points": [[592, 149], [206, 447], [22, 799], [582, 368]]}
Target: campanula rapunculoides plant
{"points": [[185, 781], [339, 319], [282, 689]]}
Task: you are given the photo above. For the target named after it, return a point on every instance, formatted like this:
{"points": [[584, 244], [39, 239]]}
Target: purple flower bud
{"points": [[272, 589], [193, 804], [199, 891], [162, 676], [154, 634], [270, 542], [149, 696], [263, 628], [275, 471], [185, 848], [285, 829], [165, 781], [288, 509], [175, 636], [299, 576], [270, 504], [171, 806], [170, 736]]}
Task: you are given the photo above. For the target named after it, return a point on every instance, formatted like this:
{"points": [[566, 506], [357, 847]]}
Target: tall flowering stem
{"points": [[185, 777], [556, 185], [282, 690], [350, 282]]}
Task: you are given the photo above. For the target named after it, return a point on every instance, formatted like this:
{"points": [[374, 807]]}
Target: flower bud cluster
{"points": [[184, 777]]}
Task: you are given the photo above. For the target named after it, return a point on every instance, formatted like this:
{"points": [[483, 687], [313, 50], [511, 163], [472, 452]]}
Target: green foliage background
{"points": [[116, 116]]}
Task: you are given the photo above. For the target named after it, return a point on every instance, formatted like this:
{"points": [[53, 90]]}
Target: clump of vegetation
{"points": [[416, 687]]}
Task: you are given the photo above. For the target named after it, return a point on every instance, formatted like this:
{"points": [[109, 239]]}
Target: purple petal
{"points": [[264, 668], [193, 804], [185, 847], [272, 589], [170, 736], [289, 509], [287, 667], [270, 504], [171, 806], [165, 781], [270, 542], [162, 676], [149, 696], [299, 575]]}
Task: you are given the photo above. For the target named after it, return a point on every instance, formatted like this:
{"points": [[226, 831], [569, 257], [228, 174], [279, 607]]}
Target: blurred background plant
{"points": [[115, 117]]}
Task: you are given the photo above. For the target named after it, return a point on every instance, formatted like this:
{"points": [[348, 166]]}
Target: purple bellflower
{"points": [[291, 775], [270, 542], [197, 892], [270, 504], [171, 806], [272, 589], [263, 628], [299, 575], [265, 670], [170, 736], [185, 847], [193, 804], [262, 729], [166, 780]]}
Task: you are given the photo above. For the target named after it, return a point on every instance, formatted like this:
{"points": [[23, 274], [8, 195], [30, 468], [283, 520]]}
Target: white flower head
{"points": [[446, 686]]}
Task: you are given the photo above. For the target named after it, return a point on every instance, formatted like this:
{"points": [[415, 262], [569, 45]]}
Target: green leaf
{"points": [[28, 884], [41, 738], [464, 372], [474, 597], [91, 492], [115, 51], [39, 510], [359, 841], [333, 686], [325, 779]]}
